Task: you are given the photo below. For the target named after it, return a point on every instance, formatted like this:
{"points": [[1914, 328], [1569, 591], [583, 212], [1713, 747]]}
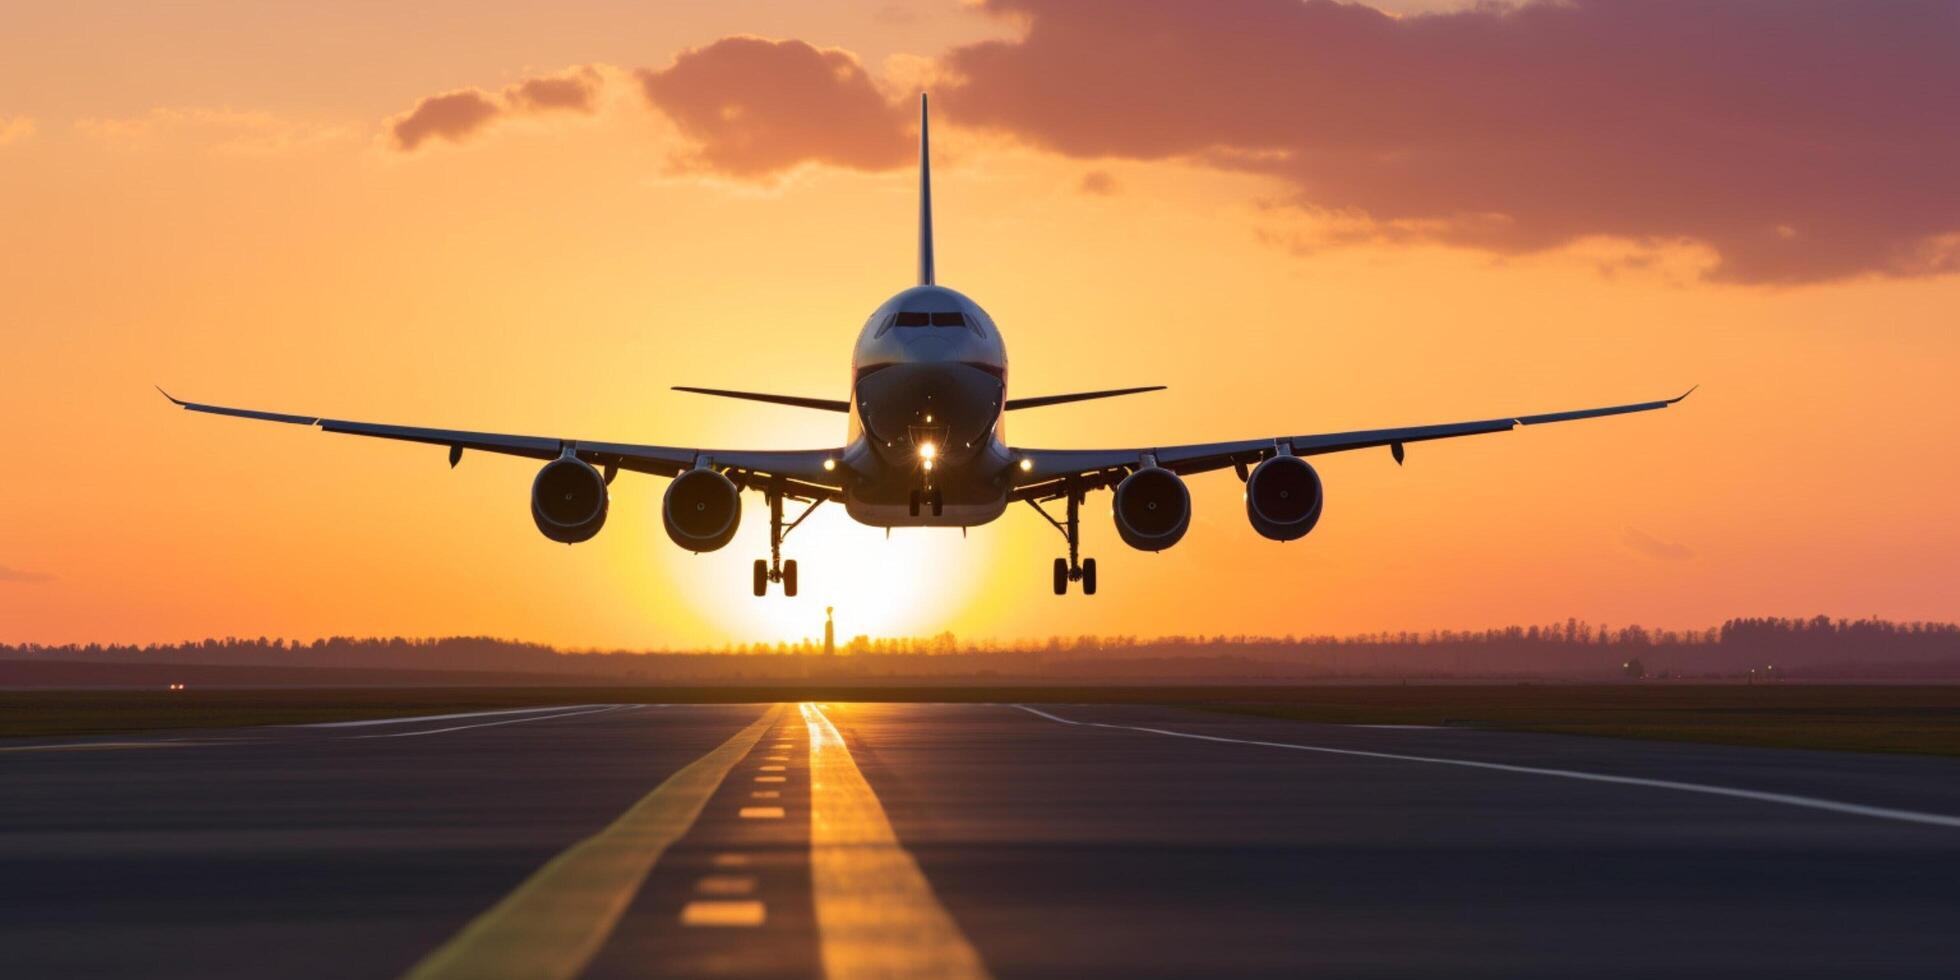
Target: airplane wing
{"points": [[801, 470], [1047, 473]]}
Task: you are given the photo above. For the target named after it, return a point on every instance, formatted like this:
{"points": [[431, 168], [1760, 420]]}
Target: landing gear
{"points": [[1074, 568], [776, 569]]}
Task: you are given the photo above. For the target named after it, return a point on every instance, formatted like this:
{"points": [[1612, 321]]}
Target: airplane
{"points": [[926, 446]]}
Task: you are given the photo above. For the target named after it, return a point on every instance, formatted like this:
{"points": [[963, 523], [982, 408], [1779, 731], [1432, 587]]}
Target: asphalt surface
{"points": [[1000, 840]]}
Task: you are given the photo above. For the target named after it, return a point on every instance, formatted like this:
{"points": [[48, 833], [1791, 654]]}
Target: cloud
{"points": [[453, 116], [1646, 544], [457, 116], [18, 575], [1802, 140], [756, 108], [575, 91], [15, 129], [1098, 182]]}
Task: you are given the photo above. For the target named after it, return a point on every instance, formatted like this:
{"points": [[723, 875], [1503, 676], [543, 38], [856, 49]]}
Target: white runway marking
{"points": [[713, 913], [367, 722], [493, 724], [1785, 799]]}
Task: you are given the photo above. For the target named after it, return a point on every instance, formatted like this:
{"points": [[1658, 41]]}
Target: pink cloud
{"points": [[757, 107], [454, 116], [458, 116], [576, 91], [1802, 139]]}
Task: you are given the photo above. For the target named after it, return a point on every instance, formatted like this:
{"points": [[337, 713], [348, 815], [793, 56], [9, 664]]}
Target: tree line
{"points": [[1818, 646]]}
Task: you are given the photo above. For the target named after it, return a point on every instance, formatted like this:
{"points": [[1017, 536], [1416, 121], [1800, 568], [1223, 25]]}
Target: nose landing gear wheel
{"points": [[1088, 576], [761, 577], [789, 578], [1061, 576]]}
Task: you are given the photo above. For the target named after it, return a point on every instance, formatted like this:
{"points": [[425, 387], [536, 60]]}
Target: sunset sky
{"points": [[1300, 217]]}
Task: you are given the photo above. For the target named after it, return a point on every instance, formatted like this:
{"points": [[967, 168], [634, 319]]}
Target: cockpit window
{"points": [[948, 320], [914, 319]]}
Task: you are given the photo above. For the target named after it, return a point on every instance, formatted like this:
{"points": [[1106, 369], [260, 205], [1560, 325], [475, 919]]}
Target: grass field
{"points": [[1916, 719]]}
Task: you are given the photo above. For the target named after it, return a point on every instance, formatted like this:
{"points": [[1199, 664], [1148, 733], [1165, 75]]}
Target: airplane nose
{"points": [[948, 407]]}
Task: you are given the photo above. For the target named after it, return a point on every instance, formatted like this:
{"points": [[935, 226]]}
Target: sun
{"points": [[909, 583]]}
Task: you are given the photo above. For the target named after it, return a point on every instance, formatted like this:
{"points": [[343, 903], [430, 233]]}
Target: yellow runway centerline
{"points": [[554, 923], [876, 913]]}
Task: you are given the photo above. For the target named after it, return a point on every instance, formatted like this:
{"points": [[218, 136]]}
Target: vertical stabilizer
{"points": [[925, 198]]}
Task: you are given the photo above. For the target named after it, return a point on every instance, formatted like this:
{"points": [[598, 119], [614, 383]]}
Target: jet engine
{"points": [[702, 510], [1153, 509], [1283, 498], [568, 500]]}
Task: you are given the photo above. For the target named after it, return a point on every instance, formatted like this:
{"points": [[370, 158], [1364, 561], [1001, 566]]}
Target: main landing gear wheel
{"points": [[1074, 568], [775, 569]]}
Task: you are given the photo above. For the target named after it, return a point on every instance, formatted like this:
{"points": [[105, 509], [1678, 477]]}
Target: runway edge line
{"points": [[557, 920], [1760, 796]]}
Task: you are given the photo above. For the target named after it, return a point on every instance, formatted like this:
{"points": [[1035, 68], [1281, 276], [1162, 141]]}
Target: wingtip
{"points": [[174, 400], [1682, 395]]}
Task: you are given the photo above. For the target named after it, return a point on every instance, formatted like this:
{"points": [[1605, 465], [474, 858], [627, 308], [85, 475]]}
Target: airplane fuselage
{"points": [[927, 444]]}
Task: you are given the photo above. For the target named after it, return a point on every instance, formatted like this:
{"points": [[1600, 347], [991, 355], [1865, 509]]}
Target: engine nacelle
{"points": [[702, 509], [568, 501], [1283, 498], [1153, 509]]}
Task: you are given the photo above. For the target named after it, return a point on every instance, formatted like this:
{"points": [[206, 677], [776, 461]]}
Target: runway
{"points": [[964, 840]]}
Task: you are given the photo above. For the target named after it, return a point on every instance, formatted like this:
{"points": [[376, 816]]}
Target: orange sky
{"points": [[216, 201]]}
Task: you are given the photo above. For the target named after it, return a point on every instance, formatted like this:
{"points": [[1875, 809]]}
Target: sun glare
{"points": [[903, 585]]}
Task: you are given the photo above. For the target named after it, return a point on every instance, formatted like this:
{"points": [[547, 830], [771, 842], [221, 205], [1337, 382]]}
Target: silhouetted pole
{"points": [[829, 632]]}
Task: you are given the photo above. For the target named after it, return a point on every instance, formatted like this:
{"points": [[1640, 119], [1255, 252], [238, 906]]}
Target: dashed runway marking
{"points": [[723, 913], [555, 922]]}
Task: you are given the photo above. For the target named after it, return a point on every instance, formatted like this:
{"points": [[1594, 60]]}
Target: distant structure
{"points": [[829, 632]]}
